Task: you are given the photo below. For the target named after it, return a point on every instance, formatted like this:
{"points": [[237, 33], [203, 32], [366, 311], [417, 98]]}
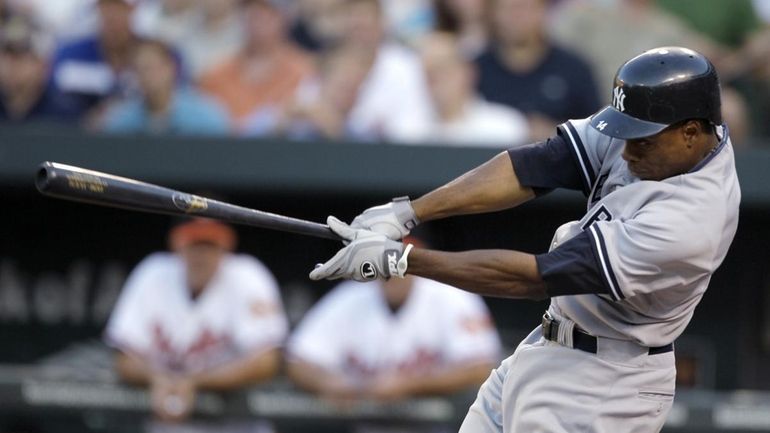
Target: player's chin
{"points": [[641, 171]]}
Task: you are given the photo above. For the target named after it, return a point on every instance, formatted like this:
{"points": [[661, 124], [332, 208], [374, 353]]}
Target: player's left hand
{"points": [[367, 257], [390, 387], [173, 398]]}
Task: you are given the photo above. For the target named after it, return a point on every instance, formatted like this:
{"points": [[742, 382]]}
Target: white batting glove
{"points": [[367, 257], [394, 220]]}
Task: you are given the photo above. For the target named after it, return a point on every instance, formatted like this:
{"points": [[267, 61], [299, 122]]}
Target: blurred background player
{"points": [[393, 340], [200, 317], [166, 103]]}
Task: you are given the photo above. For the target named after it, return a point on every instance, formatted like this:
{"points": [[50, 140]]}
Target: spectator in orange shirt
{"points": [[266, 73]]}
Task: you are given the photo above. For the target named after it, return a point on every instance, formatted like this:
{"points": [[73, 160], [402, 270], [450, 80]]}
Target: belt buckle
{"points": [[546, 324]]}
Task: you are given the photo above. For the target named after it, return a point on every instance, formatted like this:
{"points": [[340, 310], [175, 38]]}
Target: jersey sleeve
{"points": [[659, 249], [571, 159], [260, 322], [545, 166], [127, 326], [588, 148], [315, 338], [571, 268], [472, 336]]}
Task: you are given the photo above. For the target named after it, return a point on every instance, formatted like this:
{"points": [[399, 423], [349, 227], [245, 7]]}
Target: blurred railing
{"points": [[61, 393]]}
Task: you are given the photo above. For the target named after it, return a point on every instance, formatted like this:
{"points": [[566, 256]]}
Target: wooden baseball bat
{"points": [[88, 186]]}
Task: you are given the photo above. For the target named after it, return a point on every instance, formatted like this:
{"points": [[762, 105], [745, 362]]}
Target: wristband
{"points": [[402, 264], [402, 208]]}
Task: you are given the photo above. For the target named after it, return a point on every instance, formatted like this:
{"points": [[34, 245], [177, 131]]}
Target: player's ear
{"points": [[690, 131]]}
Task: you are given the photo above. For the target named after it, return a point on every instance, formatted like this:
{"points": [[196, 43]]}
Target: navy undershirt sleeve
{"points": [[572, 268], [546, 165]]}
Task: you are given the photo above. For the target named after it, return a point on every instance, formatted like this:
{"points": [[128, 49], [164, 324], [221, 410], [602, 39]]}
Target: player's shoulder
{"points": [[580, 133], [353, 293], [156, 270], [348, 304], [347, 299], [158, 262], [245, 263], [247, 270]]}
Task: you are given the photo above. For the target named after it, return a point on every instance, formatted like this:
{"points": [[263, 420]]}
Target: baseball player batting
{"points": [[658, 172]]}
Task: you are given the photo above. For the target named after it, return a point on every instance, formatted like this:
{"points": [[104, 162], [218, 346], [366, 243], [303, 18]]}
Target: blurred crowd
{"points": [[467, 72]]}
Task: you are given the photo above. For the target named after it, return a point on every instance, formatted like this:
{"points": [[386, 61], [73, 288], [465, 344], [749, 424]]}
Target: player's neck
{"points": [[196, 290], [195, 293], [394, 308], [711, 144]]}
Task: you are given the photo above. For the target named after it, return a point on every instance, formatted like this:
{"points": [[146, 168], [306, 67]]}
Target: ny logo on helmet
{"points": [[618, 99]]}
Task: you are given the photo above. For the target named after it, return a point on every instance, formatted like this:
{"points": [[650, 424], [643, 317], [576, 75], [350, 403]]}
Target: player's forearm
{"points": [[133, 369], [317, 380], [499, 273], [450, 380], [490, 187], [242, 372]]}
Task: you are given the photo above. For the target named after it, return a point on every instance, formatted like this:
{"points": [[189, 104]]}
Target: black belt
{"points": [[586, 342]]}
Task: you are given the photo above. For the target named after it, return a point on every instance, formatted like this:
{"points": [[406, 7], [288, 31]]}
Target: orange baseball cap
{"points": [[202, 230]]}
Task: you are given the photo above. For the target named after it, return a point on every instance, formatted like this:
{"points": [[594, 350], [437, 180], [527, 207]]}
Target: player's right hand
{"points": [[172, 398], [394, 220], [367, 256]]}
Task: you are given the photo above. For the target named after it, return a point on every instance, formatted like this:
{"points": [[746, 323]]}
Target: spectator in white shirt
{"points": [[393, 102], [462, 116]]}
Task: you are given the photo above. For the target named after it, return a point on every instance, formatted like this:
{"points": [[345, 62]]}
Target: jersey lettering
{"points": [[601, 214]]}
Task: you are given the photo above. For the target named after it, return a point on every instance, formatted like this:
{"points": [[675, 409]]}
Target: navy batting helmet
{"points": [[658, 88]]}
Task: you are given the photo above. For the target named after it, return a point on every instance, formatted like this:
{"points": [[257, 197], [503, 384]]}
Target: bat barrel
{"points": [[78, 184]]}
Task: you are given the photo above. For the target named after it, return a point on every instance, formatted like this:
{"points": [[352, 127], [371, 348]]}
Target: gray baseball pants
{"points": [[546, 387]]}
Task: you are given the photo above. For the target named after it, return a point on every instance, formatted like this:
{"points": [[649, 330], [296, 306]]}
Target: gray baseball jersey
{"points": [[636, 265]]}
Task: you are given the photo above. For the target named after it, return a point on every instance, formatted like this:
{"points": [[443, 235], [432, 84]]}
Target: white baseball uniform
{"points": [[624, 282], [352, 331], [239, 313]]}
